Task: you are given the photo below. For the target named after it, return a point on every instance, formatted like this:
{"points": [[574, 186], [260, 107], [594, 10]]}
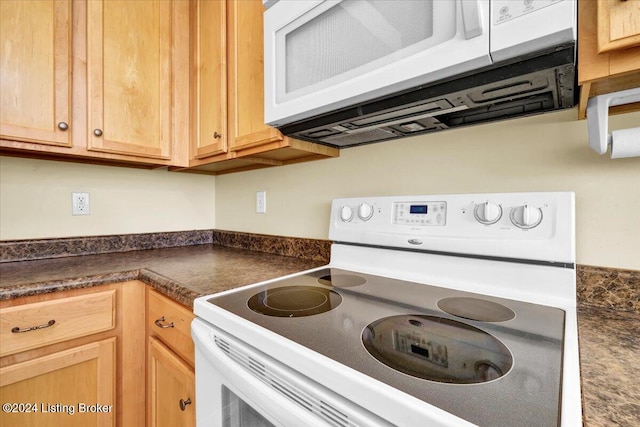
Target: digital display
{"points": [[418, 209]]}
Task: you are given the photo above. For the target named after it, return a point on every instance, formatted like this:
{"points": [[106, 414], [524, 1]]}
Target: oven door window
{"points": [[238, 413]]}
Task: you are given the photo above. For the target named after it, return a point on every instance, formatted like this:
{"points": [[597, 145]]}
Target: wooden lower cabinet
{"points": [[63, 353], [170, 363], [112, 355], [170, 388], [74, 387]]}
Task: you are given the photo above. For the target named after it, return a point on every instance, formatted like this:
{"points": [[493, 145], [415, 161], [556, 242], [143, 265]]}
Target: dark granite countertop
{"points": [[182, 273], [610, 366], [609, 339]]}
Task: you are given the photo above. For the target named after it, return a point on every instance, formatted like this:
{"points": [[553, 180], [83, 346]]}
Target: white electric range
{"points": [[444, 310]]}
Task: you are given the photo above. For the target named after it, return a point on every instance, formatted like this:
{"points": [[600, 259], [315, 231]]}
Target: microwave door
{"points": [[325, 55]]}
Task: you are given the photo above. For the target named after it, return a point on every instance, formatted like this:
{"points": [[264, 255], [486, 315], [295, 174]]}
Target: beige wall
{"points": [[35, 200], [541, 153]]}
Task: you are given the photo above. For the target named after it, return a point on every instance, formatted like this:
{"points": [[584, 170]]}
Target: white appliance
{"points": [[347, 72], [444, 310]]}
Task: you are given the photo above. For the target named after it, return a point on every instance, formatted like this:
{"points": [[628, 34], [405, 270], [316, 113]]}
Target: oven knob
{"points": [[346, 214], [365, 212], [526, 216], [487, 213]]}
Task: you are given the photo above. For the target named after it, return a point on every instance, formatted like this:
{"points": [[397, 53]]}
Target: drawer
{"points": [[34, 325], [171, 323]]}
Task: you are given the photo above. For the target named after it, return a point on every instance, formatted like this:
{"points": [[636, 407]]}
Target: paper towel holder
{"points": [[598, 116]]}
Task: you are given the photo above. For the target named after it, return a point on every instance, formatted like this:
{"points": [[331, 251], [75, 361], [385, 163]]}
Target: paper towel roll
{"points": [[625, 143]]}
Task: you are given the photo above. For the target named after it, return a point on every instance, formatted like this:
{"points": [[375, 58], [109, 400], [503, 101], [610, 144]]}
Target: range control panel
{"points": [[513, 225], [420, 213]]}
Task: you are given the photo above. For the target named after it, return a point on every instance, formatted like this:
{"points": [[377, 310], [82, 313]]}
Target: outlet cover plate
{"points": [[80, 204], [261, 202]]}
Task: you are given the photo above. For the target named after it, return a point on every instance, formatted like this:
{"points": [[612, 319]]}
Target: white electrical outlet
{"points": [[261, 202], [80, 204]]}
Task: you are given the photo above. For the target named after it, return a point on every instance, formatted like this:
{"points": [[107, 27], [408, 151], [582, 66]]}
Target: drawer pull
{"points": [[184, 403], [159, 323], [18, 330]]}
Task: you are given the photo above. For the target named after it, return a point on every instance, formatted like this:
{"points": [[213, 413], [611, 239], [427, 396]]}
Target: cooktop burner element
{"points": [[437, 349], [342, 280], [294, 301], [476, 309]]}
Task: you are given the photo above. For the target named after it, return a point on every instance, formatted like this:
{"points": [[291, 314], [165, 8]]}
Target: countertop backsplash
{"points": [[604, 287]]}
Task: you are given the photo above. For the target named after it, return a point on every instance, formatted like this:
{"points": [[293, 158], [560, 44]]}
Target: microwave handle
{"points": [[471, 18]]}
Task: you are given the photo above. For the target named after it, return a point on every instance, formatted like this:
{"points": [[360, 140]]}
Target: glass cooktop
{"points": [[440, 345]]}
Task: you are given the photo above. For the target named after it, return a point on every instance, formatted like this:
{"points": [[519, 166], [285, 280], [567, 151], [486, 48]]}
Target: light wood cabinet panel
{"points": [[118, 67], [249, 137], [209, 88], [611, 71], [170, 388], [171, 323], [250, 143], [84, 317], [246, 77], [618, 24], [35, 71], [38, 324], [59, 384], [131, 378], [129, 77]]}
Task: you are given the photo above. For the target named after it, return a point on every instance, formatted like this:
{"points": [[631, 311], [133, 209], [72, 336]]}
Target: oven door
{"points": [[321, 55], [236, 386]]}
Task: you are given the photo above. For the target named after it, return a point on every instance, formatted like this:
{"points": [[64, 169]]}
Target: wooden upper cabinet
{"points": [[246, 77], [158, 82], [35, 71], [608, 67], [103, 81], [209, 80], [129, 74], [618, 24]]}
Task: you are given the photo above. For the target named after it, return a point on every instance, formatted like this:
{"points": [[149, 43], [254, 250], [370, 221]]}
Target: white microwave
{"points": [[326, 56]]}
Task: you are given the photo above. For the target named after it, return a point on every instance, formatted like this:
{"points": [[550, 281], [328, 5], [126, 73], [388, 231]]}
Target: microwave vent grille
{"points": [[373, 135]]}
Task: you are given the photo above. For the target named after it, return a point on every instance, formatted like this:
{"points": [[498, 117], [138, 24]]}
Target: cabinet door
{"points": [[129, 77], [246, 82], [35, 89], [62, 387], [170, 388], [171, 323], [209, 89], [618, 25]]}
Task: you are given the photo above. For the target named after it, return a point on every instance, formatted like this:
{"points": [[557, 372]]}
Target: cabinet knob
{"points": [[217, 135], [63, 126], [159, 323], [184, 403], [97, 132]]}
